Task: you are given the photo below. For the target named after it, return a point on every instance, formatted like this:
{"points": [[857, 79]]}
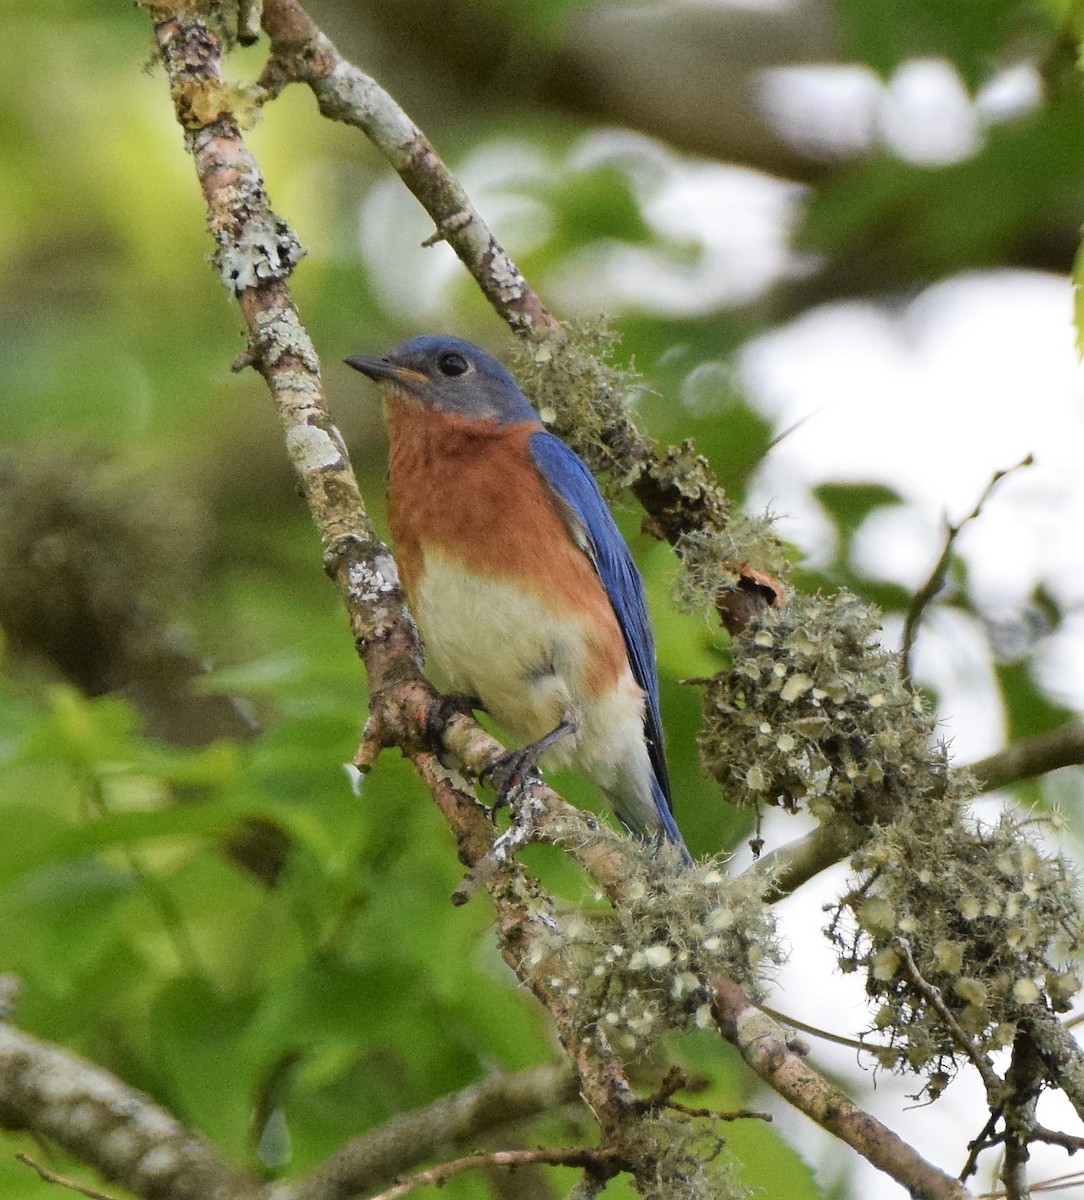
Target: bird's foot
{"points": [[512, 770]]}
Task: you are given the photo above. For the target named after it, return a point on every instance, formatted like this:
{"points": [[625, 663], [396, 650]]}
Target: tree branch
{"points": [[1062, 1057], [300, 51], [118, 1131], [1032, 756], [599, 1163], [376, 1158], [795, 863], [785, 870], [763, 1046]]}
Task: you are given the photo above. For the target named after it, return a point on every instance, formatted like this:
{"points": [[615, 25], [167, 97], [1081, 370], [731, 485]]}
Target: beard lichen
{"points": [[816, 713], [650, 966], [584, 397], [948, 915]]}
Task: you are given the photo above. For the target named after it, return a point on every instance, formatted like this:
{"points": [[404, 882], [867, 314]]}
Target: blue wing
{"points": [[590, 522]]}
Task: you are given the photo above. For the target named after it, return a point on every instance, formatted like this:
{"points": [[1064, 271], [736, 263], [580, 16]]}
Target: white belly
{"points": [[527, 666]]}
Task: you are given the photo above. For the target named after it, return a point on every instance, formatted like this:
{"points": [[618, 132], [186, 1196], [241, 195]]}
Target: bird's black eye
{"points": [[453, 364]]}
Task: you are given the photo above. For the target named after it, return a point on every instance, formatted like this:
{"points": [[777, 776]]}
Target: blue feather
{"points": [[590, 522]]}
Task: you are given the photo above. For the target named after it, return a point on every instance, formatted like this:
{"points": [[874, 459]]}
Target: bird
{"points": [[524, 590]]}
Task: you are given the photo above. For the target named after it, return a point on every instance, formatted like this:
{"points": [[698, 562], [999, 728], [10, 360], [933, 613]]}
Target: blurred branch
{"points": [[692, 75], [1031, 756], [118, 1131], [374, 1159], [598, 1163], [936, 581], [764, 1046]]}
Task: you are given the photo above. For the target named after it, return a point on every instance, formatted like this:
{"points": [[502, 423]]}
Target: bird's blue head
{"points": [[452, 375]]}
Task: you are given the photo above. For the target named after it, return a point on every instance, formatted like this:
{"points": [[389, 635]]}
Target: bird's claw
{"points": [[509, 773]]}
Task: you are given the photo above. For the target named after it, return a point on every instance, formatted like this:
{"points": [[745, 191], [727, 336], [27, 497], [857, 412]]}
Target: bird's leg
{"points": [[509, 771]]}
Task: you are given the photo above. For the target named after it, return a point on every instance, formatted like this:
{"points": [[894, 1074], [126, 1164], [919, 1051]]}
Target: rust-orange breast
{"points": [[471, 490]]}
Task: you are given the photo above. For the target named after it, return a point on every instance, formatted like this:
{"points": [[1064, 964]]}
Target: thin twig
{"points": [[836, 1038], [986, 1139], [936, 580], [62, 1180], [991, 1080], [1069, 1142], [1056, 1183], [603, 1162], [716, 1114]]}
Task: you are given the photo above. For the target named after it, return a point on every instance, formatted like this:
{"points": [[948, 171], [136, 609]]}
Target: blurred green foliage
{"points": [[352, 989]]}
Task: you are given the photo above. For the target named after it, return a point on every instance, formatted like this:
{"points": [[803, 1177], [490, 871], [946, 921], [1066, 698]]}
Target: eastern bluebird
{"points": [[526, 593]]}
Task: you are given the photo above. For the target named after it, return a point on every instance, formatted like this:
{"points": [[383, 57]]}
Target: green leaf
{"points": [[849, 504], [972, 34], [200, 1043], [38, 838], [1030, 710], [1078, 299]]}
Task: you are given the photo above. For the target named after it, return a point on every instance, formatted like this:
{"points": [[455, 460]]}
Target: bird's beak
{"points": [[384, 368]]}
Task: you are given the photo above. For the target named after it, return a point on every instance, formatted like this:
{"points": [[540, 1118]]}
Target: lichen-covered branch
{"points": [[763, 1045], [1061, 1054], [122, 1133], [300, 51], [838, 836]]}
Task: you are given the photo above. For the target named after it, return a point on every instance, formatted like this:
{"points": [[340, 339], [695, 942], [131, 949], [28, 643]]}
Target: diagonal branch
{"points": [[763, 1045], [300, 51], [677, 489], [122, 1133]]}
